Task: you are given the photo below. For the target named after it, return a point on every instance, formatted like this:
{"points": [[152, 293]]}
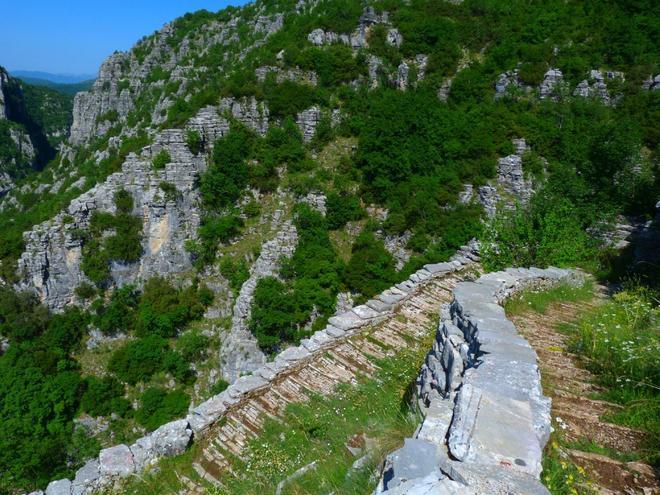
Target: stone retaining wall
{"points": [[173, 438], [486, 419]]}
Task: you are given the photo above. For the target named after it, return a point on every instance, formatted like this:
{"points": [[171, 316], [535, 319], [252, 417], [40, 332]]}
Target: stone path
{"points": [[343, 362], [570, 385]]}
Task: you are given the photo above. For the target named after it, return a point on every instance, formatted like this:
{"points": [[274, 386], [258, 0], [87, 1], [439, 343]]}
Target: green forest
{"points": [[411, 154]]}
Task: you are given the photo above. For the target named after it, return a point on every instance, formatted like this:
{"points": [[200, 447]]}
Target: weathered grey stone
{"points": [[378, 305], [86, 478], [292, 354], [347, 321], [239, 352], [59, 487], [437, 268], [394, 38], [463, 422], [245, 384], [365, 312], [416, 459], [334, 331], [307, 121], [552, 84], [172, 438], [116, 461]]}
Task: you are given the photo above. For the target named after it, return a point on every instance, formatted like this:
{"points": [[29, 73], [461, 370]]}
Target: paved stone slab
{"points": [[347, 321], [116, 461], [59, 487]]}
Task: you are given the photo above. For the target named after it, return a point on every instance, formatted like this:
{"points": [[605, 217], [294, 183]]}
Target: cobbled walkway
{"points": [[343, 362]]}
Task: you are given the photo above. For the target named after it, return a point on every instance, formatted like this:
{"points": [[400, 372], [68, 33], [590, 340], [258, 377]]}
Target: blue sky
{"points": [[74, 36]]}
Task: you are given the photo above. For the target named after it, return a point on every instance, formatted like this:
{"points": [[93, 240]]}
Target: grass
{"points": [[317, 430], [619, 343], [560, 475], [539, 299]]}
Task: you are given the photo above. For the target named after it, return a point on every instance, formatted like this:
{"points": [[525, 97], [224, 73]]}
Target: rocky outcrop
{"points": [[51, 263], [358, 38], [652, 83], [296, 75], [553, 83], [153, 63], [239, 352], [596, 86], [4, 79], [509, 84], [511, 185], [486, 419], [307, 121], [250, 112]]}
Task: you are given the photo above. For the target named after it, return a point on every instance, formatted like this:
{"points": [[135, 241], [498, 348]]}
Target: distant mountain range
{"points": [[67, 89], [55, 78]]}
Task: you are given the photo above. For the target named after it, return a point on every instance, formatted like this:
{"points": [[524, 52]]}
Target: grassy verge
{"points": [[560, 475], [539, 299], [619, 343], [374, 414]]}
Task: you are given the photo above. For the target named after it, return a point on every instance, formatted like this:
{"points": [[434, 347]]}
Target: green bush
{"points": [[164, 310], [119, 314], [123, 246], [342, 208], [235, 271], [103, 396], [192, 345], [223, 183], [161, 160], [195, 142], [138, 360], [170, 191], [159, 406], [371, 268]]}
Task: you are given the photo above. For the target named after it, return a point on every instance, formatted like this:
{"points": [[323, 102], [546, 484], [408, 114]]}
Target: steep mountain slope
{"points": [[237, 178], [33, 122]]}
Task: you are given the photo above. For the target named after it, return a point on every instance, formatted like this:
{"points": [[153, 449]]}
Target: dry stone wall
{"points": [[173, 438], [486, 419]]}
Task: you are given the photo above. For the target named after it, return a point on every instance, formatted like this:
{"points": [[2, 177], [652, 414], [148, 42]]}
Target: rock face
{"points": [[652, 83], [486, 419], [553, 81], [239, 352], [125, 76], [296, 75], [307, 121], [358, 38], [509, 83], [596, 86], [511, 184], [51, 263], [4, 79]]}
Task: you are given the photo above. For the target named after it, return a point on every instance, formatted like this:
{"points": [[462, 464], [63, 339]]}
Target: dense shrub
{"points": [[282, 310], [103, 396], [164, 310], [122, 246], [371, 268], [161, 159], [159, 406], [342, 208], [222, 184], [235, 271], [195, 142], [118, 316], [140, 359]]}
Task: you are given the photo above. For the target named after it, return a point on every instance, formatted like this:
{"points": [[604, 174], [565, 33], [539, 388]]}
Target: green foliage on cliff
{"points": [[122, 245]]}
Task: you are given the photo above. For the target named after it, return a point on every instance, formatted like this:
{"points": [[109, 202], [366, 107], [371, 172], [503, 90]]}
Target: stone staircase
{"points": [[343, 361]]}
